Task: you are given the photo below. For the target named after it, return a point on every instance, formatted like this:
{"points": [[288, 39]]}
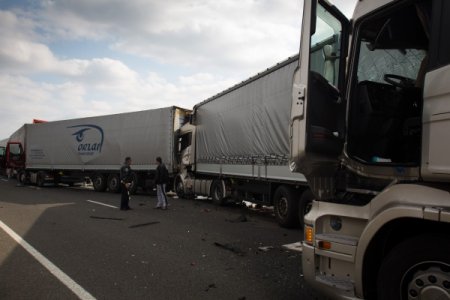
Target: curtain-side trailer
{"points": [[237, 147]]}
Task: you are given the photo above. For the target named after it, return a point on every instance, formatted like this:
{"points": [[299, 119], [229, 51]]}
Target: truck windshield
{"points": [[373, 65], [15, 149], [2, 151], [384, 122]]}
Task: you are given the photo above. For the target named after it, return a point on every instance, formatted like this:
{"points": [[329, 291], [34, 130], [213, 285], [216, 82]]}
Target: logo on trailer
{"points": [[89, 139]]}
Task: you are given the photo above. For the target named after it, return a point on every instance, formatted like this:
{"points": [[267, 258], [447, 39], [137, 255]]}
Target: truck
{"points": [[236, 147], [72, 151], [2, 156], [373, 142]]}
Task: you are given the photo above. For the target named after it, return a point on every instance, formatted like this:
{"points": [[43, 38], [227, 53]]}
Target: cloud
{"points": [[214, 35], [216, 43]]}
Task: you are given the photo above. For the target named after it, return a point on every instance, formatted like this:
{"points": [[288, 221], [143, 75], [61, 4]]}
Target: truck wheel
{"points": [[178, 186], [418, 268], [114, 183], [22, 177], [304, 206], [218, 192], [40, 179], [286, 206], [99, 182]]}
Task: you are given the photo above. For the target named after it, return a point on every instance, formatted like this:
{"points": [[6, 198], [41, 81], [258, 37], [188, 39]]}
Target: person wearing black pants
{"points": [[161, 179], [126, 180]]}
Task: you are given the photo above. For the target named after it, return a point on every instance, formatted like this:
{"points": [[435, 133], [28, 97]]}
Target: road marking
{"points": [[57, 272], [100, 203]]}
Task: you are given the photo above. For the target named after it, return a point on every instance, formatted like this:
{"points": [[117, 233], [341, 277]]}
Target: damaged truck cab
{"points": [[370, 127]]}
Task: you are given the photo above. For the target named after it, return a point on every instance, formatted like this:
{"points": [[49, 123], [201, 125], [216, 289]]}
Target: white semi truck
{"points": [[373, 141], [69, 151]]}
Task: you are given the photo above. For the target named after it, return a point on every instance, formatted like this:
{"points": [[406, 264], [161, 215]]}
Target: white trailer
{"points": [[70, 150]]}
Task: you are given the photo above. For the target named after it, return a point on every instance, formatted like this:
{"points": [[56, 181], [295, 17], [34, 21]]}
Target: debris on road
{"points": [[241, 218], [144, 224], [211, 286], [265, 248], [230, 248], [297, 247], [106, 218]]}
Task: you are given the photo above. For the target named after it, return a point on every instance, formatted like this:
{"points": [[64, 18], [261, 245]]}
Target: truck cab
{"points": [[2, 159], [13, 159], [369, 129]]}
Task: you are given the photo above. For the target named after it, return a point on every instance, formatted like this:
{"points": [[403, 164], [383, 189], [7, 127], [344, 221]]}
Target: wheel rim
{"points": [[114, 183], [282, 206], [427, 280], [98, 181], [218, 194]]}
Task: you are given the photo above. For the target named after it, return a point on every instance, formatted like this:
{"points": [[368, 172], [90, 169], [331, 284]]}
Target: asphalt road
{"points": [[194, 250]]}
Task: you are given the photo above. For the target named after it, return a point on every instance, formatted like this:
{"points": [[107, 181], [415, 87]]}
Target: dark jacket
{"points": [[126, 174], [162, 175]]}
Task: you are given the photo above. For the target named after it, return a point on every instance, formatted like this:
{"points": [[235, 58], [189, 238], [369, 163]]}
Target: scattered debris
{"points": [[241, 218], [265, 248], [106, 218], [242, 298], [230, 248], [211, 286], [171, 194], [297, 247], [206, 210], [144, 224], [141, 204]]}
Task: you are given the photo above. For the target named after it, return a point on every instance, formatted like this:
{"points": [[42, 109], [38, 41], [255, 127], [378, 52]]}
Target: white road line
{"points": [[64, 278], [5, 180], [102, 204]]}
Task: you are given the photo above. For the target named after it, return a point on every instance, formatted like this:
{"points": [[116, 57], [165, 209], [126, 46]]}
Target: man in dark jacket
{"points": [[161, 179], [126, 179]]}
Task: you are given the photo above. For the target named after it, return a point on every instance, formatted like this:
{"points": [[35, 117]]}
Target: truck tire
{"points": [[418, 268], [178, 187], [218, 192], [285, 202], [40, 179], [304, 206], [114, 183], [22, 177], [99, 182]]}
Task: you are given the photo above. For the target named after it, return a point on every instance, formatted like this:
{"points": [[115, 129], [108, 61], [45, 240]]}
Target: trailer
{"points": [[236, 147], [94, 148]]}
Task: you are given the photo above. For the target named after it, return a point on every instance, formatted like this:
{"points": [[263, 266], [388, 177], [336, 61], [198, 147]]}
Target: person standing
{"points": [[126, 179], [161, 179]]}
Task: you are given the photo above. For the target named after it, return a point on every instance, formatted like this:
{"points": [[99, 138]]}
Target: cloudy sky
{"points": [[63, 59]]}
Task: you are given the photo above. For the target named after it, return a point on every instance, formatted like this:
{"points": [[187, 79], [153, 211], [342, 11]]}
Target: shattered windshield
{"points": [[373, 65]]}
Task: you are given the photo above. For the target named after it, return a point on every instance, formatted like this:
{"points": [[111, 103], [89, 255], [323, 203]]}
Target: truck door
{"points": [[15, 155], [2, 158], [318, 108]]}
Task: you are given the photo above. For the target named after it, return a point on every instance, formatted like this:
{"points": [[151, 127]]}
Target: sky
{"points": [[64, 59]]}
